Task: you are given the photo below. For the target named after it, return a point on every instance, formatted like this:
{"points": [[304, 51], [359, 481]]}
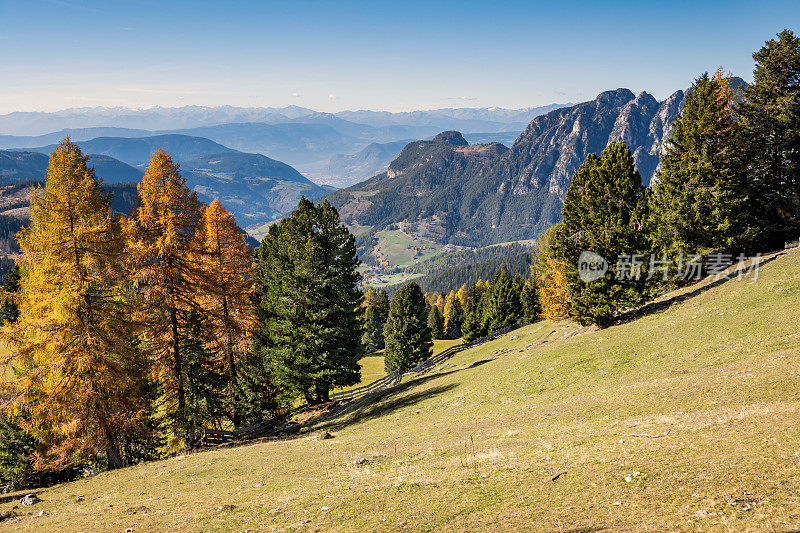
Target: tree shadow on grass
{"points": [[663, 305], [383, 402]]}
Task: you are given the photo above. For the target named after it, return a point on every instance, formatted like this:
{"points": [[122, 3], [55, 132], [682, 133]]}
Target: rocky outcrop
{"points": [[487, 193], [553, 146]]}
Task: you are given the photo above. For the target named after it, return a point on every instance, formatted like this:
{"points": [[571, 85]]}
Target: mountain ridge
{"points": [[481, 194]]}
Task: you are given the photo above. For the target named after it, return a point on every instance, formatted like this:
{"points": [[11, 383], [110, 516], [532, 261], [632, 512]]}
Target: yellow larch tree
{"points": [[77, 366], [228, 283], [165, 261]]}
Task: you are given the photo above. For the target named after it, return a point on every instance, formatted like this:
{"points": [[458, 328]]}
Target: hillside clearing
{"points": [[684, 419]]}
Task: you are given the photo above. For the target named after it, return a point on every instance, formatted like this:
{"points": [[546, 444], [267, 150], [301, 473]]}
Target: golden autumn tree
{"points": [[228, 266], [553, 291], [165, 263], [548, 273], [453, 316], [77, 366]]}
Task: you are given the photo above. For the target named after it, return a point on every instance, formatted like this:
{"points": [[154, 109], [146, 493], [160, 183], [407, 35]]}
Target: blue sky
{"points": [[368, 55]]}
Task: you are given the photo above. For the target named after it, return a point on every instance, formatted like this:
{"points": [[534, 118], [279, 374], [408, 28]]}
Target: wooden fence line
{"points": [[260, 429]]}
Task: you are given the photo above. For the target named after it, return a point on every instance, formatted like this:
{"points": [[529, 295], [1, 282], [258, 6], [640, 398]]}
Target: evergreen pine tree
{"points": [[472, 328], [408, 338], [453, 316], [503, 307], [770, 119], [308, 302], [9, 310], [697, 200], [601, 214], [17, 449], [435, 322], [529, 298], [375, 314], [259, 393], [204, 381]]}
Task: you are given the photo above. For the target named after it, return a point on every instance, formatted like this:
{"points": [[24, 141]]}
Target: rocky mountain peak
{"points": [[453, 138]]}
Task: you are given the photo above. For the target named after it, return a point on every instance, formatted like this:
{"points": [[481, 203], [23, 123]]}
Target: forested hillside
{"points": [[482, 194]]}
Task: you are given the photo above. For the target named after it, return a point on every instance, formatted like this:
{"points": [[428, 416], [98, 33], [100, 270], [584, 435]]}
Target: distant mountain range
{"points": [[318, 144], [137, 151], [451, 192], [255, 188], [18, 166]]}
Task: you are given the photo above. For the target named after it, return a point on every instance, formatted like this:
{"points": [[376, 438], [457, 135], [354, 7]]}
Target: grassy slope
{"points": [[372, 368], [476, 445], [396, 247]]}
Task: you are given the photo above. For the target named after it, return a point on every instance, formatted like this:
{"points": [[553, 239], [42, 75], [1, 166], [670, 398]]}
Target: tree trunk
{"points": [[173, 317], [322, 392], [113, 456], [310, 400], [235, 418]]}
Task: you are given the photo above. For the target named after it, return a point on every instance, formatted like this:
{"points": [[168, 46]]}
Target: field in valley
{"points": [[686, 418]]}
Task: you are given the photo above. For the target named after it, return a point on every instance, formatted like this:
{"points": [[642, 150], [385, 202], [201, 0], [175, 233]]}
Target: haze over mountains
{"points": [[310, 141], [480, 186], [451, 192], [255, 188]]}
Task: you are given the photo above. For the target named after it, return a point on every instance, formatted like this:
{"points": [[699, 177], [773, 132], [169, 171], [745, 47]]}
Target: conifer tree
{"points": [[308, 302], [376, 311], [165, 261], [453, 316], [408, 338], [435, 322], [79, 372], [9, 310], [17, 450], [203, 380], [529, 298], [697, 200], [226, 292], [472, 328], [503, 307], [770, 120], [601, 214], [260, 394]]}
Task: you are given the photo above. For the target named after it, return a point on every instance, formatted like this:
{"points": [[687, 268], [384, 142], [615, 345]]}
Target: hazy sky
{"points": [[396, 56]]}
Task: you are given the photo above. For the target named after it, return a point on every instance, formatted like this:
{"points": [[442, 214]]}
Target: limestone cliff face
{"points": [[485, 193], [553, 146]]}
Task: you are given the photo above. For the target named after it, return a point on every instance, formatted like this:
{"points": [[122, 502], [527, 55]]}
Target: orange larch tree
{"points": [[228, 265], [165, 262], [77, 365]]}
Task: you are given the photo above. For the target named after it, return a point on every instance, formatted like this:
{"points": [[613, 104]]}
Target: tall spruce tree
{"points": [[376, 312], [472, 328], [503, 307], [308, 302], [698, 198], [601, 214], [204, 380], [529, 298], [435, 322], [453, 316], [770, 119], [9, 310], [408, 338], [79, 373]]}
